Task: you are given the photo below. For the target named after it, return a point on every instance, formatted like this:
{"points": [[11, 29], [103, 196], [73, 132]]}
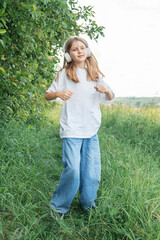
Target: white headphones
{"points": [[67, 57], [66, 54]]}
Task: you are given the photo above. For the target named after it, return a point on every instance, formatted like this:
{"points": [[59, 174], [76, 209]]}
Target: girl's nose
{"points": [[79, 49]]}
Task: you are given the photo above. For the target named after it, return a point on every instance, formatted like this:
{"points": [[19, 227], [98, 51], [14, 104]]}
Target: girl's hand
{"points": [[64, 95], [100, 88]]}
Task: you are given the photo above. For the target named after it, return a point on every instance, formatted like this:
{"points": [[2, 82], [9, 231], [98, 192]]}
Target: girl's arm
{"points": [[100, 88], [64, 95]]}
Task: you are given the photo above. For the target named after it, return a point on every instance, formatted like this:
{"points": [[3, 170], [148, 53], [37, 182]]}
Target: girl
{"points": [[80, 85]]}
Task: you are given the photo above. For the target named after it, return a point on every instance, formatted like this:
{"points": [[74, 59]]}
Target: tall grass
{"points": [[128, 199]]}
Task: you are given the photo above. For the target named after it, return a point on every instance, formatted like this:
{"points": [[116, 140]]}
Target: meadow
{"points": [[138, 101], [129, 194]]}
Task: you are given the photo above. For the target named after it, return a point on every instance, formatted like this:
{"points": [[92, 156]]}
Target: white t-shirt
{"points": [[81, 115]]}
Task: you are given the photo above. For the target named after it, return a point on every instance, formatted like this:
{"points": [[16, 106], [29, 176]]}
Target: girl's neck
{"points": [[80, 65]]}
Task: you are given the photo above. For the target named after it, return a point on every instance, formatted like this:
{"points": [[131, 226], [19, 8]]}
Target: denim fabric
{"points": [[82, 169]]}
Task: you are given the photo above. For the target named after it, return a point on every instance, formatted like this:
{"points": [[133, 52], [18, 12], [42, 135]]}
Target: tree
{"points": [[31, 35]]}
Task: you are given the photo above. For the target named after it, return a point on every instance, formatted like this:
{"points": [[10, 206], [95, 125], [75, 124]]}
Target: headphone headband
{"points": [[76, 38]]}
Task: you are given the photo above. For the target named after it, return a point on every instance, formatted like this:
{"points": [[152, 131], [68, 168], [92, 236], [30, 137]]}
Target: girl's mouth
{"points": [[81, 56]]}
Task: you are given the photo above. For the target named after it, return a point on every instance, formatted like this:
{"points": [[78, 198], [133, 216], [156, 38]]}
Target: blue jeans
{"points": [[82, 170]]}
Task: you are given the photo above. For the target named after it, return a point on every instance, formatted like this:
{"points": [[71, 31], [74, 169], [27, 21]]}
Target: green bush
{"points": [[32, 33]]}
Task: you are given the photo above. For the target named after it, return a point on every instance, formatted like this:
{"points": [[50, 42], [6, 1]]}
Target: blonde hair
{"points": [[91, 63]]}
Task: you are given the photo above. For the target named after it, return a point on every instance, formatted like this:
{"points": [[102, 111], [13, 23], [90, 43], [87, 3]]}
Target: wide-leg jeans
{"points": [[82, 170]]}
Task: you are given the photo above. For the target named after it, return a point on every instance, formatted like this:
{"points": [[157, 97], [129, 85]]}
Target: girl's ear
{"points": [[88, 52], [67, 57]]}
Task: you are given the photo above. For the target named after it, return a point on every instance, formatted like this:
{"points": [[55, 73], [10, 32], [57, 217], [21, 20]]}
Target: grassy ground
{"points": [[128, 198]]}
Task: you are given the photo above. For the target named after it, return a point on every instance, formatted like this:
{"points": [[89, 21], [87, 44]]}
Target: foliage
{"points": [[128, 199], [31, 34]]}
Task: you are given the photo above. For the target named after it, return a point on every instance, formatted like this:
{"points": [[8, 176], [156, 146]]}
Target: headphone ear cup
{"points": [[67, 57], [88, 52]]}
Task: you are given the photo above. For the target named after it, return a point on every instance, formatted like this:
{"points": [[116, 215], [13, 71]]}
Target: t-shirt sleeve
{"points": [[59, 84], [103, 96]]}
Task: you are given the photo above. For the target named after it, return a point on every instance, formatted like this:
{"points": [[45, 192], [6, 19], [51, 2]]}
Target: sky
{"points": [[129, 54]]}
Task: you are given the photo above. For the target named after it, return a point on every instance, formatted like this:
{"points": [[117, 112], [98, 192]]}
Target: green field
{"points": [[128, 199], [138, 102]]}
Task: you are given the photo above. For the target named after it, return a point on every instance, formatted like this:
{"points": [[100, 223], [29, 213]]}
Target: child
{"points": [[81, 88]]}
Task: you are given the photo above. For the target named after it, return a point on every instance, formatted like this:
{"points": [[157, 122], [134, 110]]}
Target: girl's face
{"points": [[78, 53]]}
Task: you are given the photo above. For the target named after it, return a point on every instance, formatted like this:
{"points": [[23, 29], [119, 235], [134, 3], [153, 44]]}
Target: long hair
{"points": [[91, 63]]}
